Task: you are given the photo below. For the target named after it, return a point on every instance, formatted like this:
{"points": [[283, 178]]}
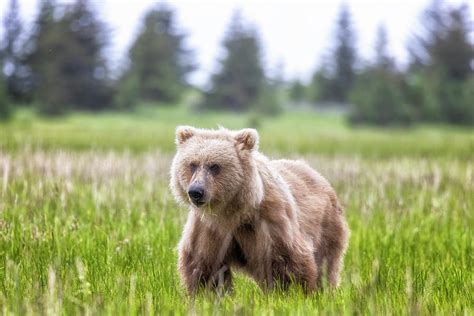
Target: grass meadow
{"points": [[88, 225]]}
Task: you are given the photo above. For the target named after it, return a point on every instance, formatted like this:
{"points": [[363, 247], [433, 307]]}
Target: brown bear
{"points": [[277, 220]]}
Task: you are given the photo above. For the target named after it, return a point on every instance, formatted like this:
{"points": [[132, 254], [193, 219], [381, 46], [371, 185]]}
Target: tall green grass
{"points": [[92, 228], [296, 132]]}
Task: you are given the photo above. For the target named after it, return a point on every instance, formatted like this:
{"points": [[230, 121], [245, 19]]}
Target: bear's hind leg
{"points": [[334, 265], [329, 255], [329, 267], [335, 255]]}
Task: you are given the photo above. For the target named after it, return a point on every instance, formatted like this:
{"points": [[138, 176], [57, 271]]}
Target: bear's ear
{"points": [[183, 133], [247, 139]]}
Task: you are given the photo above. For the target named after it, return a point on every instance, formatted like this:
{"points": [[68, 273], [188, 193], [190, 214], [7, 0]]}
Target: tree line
{"points": [[60, 65], [436, 86]]}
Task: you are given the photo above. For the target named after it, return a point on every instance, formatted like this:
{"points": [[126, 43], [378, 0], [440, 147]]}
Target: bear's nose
{"points": [[196, 194]]}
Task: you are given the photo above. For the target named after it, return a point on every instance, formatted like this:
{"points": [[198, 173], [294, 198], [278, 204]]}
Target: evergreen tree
{"points": [[43, 67], [431, 25], [240, 81], [442, 59], [5, 108], [334, 80], [321, 87], [84, 63], [10, 51], [297, 91], [382, 58], [159, 60], [378, 94], [345, 56], [445, 45], [66, 61]]}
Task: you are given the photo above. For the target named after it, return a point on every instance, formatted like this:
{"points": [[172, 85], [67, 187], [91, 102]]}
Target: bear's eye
{"points": [[215, 169], [193, 167]]}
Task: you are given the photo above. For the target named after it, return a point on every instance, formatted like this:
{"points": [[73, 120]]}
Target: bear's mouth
{"points": [[198, 203]]}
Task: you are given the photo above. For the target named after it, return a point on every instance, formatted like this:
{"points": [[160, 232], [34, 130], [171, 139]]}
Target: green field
{"points": [[88, 225]]}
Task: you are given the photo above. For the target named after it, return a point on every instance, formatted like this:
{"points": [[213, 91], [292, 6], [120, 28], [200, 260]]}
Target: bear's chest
{"points": [[252, 243]]}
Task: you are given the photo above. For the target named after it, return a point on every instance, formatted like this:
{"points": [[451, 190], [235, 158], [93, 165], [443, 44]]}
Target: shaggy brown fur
{"points": [[278, 221]]}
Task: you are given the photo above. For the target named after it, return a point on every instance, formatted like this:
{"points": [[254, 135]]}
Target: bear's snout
{"points": [[196, 194]]}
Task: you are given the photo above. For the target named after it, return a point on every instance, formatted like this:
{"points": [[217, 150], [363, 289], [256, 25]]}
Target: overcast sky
{"points": [[293, 33]]}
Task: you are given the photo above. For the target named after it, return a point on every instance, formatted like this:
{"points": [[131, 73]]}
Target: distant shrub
{"points": [[378, 99], [5, 108], [127, 96], [268, 103], [430, 105], [254, 120], [467, 101], [297, 92], [456, 101], [441, 100]]}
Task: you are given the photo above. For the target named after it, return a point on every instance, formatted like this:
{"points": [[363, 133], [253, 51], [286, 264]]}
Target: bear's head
{"points": [[215, 170]]}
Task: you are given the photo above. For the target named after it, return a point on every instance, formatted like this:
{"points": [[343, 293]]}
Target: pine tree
{"points": [[159, 60], [345, 56], [66, 59], [84, 63], [297, 91], [11, 50], [378, 94], [5, 108], [43, 67], [445, 45], [321, 87], [240, 81], [442, 59], [382, 58]]}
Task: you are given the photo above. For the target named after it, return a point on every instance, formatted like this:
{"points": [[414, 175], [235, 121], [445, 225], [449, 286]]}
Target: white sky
{"points": [[293, 33]]}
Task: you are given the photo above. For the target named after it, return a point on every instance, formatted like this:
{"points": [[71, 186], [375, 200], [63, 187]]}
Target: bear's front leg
{"points": [[202, 254], [197, 274], [222, 280]]}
